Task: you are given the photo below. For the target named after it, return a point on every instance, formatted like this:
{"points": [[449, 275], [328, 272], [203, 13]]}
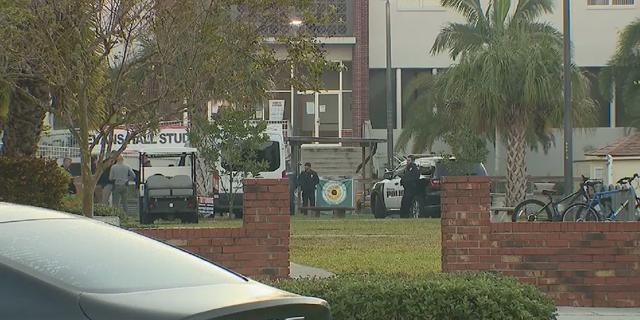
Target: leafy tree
{"points": [[508, 76], [229, 146], [623, 71], [128, 64], [467, 149]]}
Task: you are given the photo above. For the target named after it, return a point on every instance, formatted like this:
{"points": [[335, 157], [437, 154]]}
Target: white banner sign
{"points": [[166, 137], [276, 110]]}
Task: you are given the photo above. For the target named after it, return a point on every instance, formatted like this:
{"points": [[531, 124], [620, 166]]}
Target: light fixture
{"points": [[296, 22]]}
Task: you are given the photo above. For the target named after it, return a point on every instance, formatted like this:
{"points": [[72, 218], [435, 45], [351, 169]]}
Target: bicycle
{"points": [[551, 208], [588, 211]]}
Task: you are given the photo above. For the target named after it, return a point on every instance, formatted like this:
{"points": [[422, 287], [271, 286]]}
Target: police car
{"points": [[386, 195]]}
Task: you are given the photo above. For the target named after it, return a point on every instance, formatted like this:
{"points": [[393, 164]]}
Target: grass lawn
{"points": [[359, 243], [364, 244]]}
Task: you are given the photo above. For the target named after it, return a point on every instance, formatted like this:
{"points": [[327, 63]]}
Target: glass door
{"points": [[306, 104], [328, 115]]}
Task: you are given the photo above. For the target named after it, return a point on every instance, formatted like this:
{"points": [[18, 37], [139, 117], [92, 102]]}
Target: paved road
{"points": [[569, 313]]}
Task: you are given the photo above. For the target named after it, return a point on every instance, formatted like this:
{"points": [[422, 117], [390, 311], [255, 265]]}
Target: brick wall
{"points": [[360, 66], [260, 248], [577, 264]]}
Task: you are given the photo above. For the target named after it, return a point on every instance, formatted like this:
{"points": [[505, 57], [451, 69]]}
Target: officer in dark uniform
{"points": [[408, 181], [308, 180]]}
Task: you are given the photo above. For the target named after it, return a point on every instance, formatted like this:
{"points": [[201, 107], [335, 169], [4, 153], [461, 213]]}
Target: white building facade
{"points": [[416, 23]]}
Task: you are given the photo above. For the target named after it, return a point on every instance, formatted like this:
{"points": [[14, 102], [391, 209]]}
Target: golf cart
{"points": [[167, 188]]}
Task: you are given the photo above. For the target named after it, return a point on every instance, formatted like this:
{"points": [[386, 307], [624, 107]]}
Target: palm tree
{"points": [[508, 78], [25, 114], [623, 70]]}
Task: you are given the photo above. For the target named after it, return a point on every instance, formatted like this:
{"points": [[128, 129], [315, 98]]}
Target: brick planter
{"points": [[260, 248], [577, 264]]}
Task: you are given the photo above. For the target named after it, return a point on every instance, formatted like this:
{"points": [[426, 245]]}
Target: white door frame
{"points": [[337, 93], [316, 102]]}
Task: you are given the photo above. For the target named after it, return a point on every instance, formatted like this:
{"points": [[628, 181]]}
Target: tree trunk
{"points": [[496, 148], [88, 179], [516, 164], [23, 126], [231, 195]]}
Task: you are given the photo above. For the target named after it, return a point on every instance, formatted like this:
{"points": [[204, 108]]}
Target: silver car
{"points": [[58, 266]]}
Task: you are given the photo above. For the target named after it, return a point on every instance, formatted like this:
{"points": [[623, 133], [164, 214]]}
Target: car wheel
{"points": [[191, 217], [433, 212], [146, 218], [417, 209], [378, 209]]}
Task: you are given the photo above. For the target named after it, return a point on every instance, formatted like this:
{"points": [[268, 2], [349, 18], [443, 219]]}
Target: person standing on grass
{"points": [[120, 174], [408, 182], [105, 183], [66, 164], [307, 181]]}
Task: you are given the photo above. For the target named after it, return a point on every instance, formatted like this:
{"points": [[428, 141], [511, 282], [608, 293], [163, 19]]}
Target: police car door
{"points": [[394, 191]]}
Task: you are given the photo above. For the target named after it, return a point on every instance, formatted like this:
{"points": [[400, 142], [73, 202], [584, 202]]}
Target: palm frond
{"points": [[530, 10], [457, 38], [471, 10]]}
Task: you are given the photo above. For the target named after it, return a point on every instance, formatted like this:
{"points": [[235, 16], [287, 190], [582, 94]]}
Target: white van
{"points": [[274, 152]]}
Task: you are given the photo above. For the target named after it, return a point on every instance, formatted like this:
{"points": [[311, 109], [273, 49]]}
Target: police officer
{"points": [[408, 181], [308, 180]]}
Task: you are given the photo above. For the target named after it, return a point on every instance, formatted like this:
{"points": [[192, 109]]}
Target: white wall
{"points": [[538, 163], [413, 32]]}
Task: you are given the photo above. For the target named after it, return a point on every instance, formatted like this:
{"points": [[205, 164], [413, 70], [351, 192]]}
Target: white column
{"points": [[398, 98], [612, 107]]}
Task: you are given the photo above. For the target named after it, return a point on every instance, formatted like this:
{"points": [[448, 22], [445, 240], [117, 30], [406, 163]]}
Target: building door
{"points": [[328, 115], [306, 104]]}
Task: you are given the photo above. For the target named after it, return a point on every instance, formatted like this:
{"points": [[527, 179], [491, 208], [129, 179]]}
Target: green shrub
{"points": [[33, 181], [459, 296], [73, 204]]}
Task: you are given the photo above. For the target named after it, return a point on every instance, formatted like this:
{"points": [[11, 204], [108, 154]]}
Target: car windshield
{"points": [[93, 257], [458, 168]]}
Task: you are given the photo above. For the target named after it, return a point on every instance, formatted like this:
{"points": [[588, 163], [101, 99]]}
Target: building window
{"points": [[610, 2], [603, 104], [419, 5], [378, 97], [338, 23], [407, 76], [347, 75], [347, 110]]}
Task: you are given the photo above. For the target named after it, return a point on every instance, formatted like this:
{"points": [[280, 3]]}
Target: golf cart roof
{"points": [[168, 151]]}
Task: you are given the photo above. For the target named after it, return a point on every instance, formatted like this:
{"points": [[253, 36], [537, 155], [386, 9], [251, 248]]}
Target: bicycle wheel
{"points": [[531, 210], [580, 212]]}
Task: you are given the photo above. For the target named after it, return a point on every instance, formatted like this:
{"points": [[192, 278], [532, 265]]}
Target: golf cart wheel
{"points": [[146, 218], [378, 209], [191, 217], [417, 209]]}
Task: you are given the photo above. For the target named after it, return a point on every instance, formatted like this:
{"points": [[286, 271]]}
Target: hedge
{"points": [[33, 181], [73, 204], [447, 296]]}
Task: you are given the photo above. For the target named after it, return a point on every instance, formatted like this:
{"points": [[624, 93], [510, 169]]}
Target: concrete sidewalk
{"points": [[571, 313], [300, 271]]}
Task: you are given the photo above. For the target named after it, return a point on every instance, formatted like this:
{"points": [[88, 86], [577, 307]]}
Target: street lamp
{"points": [[389, 91], [568, 126], [295, 126]]}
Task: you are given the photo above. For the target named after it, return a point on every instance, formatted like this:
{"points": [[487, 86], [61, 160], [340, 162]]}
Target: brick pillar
{"points": [[360, 66], [265, 204], [465, 204]]}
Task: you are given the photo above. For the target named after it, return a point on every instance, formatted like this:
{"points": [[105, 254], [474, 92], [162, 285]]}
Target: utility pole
{"points": [[390, 119], [568, 126]]}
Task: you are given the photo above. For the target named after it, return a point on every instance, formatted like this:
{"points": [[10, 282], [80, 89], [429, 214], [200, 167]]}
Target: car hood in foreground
{"points": [[227, 301]]}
